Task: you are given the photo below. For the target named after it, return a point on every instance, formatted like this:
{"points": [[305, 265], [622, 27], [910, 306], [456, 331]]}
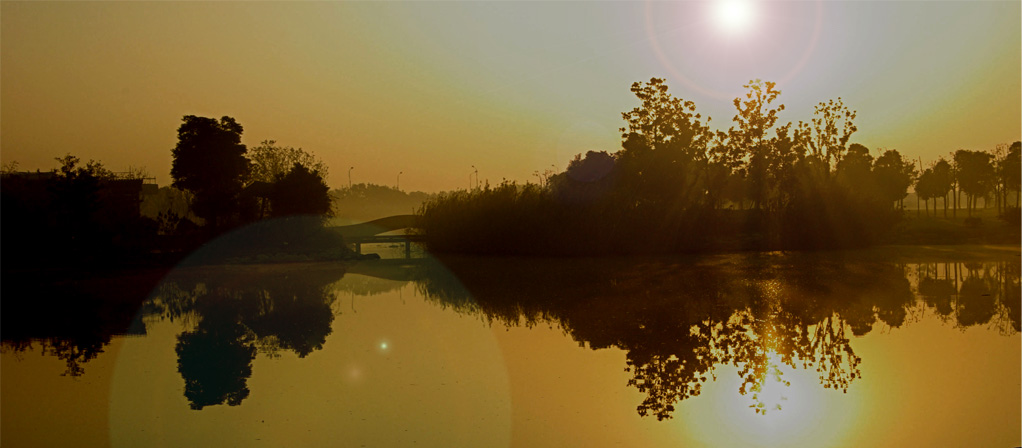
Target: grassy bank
{"points": [[983, 227]]}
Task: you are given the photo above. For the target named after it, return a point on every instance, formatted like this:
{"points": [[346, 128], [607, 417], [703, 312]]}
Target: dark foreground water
{"points": [[888, 347]]}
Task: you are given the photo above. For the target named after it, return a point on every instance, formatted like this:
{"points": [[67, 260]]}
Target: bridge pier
{"points": [[392, 240]]}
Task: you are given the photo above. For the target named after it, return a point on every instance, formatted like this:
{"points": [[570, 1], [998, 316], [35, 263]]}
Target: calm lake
{"points": [[881, 347]]}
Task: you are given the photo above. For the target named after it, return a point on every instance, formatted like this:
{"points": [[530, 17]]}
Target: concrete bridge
{"points": [[371, 232]]}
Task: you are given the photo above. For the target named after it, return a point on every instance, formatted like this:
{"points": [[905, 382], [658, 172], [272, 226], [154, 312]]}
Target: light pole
{"points": [[398, 187], [349, 177], [470, 177]]}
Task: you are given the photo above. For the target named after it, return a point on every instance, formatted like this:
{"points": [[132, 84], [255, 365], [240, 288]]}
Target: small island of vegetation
{"points": [[678, 186]]}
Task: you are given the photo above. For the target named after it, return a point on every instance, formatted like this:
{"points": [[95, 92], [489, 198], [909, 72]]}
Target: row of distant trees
{"points": [[678, 185], [366, 202], [977, 174]]}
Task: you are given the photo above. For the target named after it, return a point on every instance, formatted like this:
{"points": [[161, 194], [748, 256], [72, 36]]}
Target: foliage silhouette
{"points": [[975, 175], [675, 186], [1010, 173], [270, 162], [300, 192], [209, 161]]}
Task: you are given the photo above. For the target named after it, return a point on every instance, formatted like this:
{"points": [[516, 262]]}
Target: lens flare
{"points": [[733, 16]]}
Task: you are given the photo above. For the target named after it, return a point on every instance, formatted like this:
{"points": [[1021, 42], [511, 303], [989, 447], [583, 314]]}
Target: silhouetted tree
{"points": [[209, 161], [943, 180], [300, 192], [750, 140], [271, 162], [855, 170], [975, 175], [663, 143], [927, 188], [893, 174], [1009, 174], [832, 126], [587, 180], [593, 167]]}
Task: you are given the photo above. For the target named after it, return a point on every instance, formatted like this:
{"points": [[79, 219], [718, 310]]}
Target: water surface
{"points": [[885, 347]]}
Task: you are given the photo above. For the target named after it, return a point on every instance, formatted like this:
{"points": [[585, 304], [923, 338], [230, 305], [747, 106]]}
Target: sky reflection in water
{"points": [[755, 350]]}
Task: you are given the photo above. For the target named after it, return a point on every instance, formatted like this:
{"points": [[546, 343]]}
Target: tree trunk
{"points": [[954, 195], [997, 199]]}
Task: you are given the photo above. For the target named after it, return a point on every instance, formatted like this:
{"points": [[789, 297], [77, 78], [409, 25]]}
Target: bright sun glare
{"points": [[733, 16]]}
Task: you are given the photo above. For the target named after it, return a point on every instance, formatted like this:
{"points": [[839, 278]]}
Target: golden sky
{"points": [[432, 88]]}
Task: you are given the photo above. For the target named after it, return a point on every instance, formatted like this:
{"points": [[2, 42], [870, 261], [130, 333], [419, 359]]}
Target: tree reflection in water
{"points": [[215, 359], [678, 321], [238, 315]]}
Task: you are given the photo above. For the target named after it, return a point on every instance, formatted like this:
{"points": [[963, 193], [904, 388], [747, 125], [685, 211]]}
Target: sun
{"points": [[733, 16]]}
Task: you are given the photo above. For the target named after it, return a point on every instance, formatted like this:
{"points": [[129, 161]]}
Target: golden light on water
{"points": [[780, 406], [794, 410]]}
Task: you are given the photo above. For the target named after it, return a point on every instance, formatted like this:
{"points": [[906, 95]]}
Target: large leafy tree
{"points": [[855, 170], [1009, 173], [271, 161], [893, 175], [975, 175], [300, 192], [768, 159], [209, 161], [663, 144], [943, 181], [928, 187], [832, 126]]}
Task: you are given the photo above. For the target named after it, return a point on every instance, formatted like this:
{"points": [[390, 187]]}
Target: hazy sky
{"points": [[432, 88]]}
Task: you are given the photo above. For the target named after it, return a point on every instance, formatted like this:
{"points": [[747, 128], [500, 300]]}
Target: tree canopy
{"points": [[271, 161], [300, 192], [209, 161], [975, 174]]}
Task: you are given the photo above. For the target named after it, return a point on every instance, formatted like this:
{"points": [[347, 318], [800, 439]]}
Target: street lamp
{"points": [[399, 173], [470, 177], [349, 177]]}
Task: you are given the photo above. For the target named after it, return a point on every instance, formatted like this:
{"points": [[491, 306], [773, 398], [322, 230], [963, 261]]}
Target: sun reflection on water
{"points": [[784, 407]]}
